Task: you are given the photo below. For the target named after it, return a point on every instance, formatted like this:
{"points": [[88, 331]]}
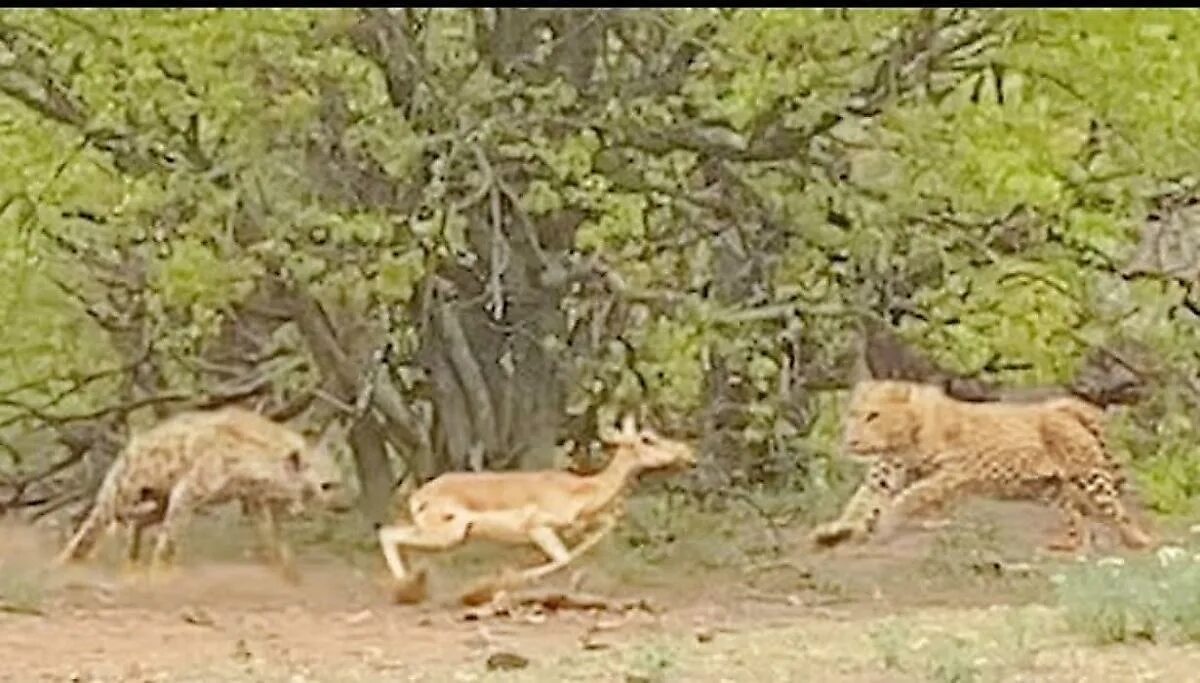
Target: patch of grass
{"points": [[954, 660], [890, 640], [23, 589], [988, 649], [959, 550], [1147, 598], [649, 663]]}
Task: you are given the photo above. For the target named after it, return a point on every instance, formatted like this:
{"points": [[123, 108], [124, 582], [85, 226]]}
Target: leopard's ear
{"points": [[905, 392], [891, 391]]}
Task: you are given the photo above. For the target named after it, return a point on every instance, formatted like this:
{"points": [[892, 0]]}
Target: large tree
{"points": [[474, 233]]}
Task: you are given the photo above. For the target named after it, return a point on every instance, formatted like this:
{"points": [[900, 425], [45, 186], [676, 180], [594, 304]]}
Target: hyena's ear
{"points": [[329, 433]]}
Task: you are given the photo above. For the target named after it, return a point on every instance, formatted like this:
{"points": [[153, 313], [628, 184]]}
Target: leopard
{"points": [[199, 459], [926, 451]]}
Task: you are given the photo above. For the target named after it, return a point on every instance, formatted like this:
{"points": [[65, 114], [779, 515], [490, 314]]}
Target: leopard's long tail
{"points": [[99, 518]]}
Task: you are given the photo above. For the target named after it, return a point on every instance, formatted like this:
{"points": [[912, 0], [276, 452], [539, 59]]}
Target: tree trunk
{"points": [[373, 470]]}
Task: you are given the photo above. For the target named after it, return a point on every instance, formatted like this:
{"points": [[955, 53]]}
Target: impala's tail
{"points": [[98, 519]]}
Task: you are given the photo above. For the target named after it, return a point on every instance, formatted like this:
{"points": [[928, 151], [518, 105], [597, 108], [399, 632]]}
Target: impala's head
{"points": [[651, 450], [316, 473], [884, 416]]}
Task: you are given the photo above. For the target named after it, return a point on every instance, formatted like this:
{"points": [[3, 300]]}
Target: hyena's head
{"points": [[315, 474]]}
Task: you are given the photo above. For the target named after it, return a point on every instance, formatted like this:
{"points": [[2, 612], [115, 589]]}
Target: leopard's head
{"points": [[882, 418]]}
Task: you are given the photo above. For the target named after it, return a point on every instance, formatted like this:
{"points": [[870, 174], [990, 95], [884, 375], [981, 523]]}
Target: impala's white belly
{"points": [[505, 526]]}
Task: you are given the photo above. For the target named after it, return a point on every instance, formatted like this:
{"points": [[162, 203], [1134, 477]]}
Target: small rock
{"points": [[240, 650], [704, 634], [589, 643], [197, 616], [358, 617], [505, 661]]}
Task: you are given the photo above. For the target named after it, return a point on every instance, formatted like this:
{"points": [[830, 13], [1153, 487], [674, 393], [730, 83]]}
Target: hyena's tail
{"points": [[98, 519]]}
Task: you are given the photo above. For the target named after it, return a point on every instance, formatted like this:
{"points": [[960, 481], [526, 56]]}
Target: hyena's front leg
{"points": [[274, 547], [883, 481], [181, 504]]}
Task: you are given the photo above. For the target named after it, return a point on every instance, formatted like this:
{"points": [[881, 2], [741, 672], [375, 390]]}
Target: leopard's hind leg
{"points": [[1102, 490], [1073, 535]]}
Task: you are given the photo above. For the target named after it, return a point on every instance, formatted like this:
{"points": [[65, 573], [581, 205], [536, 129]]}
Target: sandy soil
{"points": [[836, 615]]}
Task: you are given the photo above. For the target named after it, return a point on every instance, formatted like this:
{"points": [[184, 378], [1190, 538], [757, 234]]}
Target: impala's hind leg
{"points": [[552, 546]]}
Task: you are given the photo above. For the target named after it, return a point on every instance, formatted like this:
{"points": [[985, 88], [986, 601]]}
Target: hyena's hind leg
{"points": [[83, 542], [883, 481]]}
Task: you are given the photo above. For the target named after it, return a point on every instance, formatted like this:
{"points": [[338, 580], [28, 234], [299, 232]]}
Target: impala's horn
{"points": [[628, 425]]}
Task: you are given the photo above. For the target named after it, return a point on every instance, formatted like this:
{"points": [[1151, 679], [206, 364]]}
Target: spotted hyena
{"points": [[203, 458]]}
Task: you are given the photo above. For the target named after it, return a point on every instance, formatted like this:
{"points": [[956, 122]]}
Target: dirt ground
{"points": [[968, 601]]}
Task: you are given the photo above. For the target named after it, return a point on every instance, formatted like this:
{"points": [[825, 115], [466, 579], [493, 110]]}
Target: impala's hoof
{"points": [[486, 589], [481, 593], [411, 590]]}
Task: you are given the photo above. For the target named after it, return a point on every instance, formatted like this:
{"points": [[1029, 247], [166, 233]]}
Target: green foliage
{"points": [[805, 166], [1154, 598]]}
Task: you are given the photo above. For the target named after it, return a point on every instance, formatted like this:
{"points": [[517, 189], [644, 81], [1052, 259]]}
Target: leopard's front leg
{"points": [[883, 481], [937, 492]]}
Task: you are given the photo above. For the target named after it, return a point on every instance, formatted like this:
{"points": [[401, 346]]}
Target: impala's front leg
{"points": [[392, 539]]}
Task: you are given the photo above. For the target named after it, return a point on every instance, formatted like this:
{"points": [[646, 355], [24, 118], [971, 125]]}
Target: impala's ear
{"points": [[628, 425]]}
